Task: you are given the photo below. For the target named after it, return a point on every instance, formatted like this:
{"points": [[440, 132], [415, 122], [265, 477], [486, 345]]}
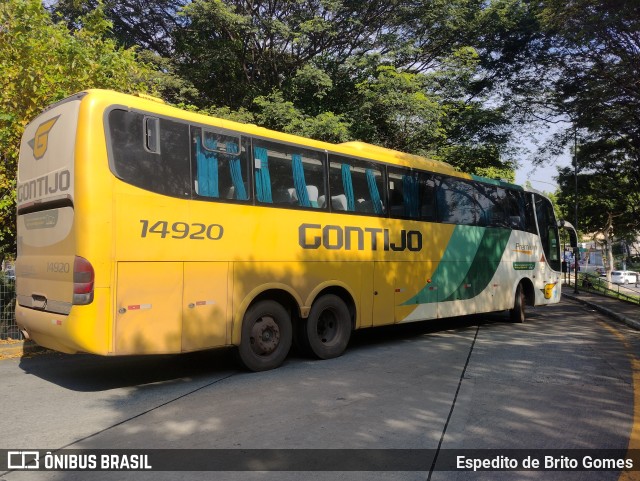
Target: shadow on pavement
{"points": [[88, 373], [91, 373]]}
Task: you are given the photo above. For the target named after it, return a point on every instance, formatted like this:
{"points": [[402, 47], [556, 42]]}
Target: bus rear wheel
{"points": [[518, 314], [266, 336], [327, 330]]}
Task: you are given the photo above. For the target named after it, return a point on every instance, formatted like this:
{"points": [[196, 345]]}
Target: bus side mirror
{"points": [[573, 235]]}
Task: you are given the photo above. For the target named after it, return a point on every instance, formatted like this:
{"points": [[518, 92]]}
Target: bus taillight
{"points": [[83, 277]]}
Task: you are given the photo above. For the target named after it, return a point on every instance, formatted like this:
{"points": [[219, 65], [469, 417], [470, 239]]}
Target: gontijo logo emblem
{"points": [[40, 141]]}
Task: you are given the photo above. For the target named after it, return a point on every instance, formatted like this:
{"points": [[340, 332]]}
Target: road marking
{"points": [[634, 437], [453, 403]]}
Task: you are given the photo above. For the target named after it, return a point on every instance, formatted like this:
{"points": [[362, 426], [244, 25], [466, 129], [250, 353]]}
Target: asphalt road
{"points": [[562, 381]]}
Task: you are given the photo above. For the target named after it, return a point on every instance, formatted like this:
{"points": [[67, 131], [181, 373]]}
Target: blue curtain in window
{"points": [[263, 179], [236, 172], [299, 181], [373, 191], [410, 196], [207, 164], [347, 184]]}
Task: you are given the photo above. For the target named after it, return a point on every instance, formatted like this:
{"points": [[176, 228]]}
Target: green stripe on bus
{"points": [[497, 183], [467, 266], [453, 267], [484, 265]]}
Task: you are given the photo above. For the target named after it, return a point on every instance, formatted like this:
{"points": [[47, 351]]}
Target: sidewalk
{"points": [[622, 311]]}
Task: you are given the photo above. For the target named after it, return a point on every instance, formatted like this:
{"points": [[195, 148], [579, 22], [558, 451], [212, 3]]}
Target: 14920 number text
{"points": [[181, 230]]}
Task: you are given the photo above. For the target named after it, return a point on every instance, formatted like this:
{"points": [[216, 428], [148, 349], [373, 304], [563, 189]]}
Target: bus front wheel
{"points": [[517, 314], [327, 330], [266, 336]]}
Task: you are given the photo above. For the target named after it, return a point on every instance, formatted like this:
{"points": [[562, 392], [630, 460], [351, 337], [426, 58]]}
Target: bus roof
{"points": [[375, 151]]}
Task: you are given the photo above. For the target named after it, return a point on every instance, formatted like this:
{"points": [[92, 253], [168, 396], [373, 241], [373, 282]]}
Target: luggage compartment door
{"points": [[205, 305], [149, 308]]}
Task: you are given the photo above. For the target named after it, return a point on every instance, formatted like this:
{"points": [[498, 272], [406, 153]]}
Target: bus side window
{"points": [[457, 202], [548, 230], [356, 186], [490, 204], [150, 153], [428, 206], [513, 204], [412, 194], [530, 222], [288, 175], [220, 165], [404, 193]]}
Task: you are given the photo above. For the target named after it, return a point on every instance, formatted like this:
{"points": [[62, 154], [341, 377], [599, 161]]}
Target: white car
{"points": [[624, 277]]}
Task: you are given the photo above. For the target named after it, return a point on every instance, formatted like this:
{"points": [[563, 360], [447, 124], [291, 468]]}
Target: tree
{"points": [[235, 51], [592, 72], [417, 76], [276, 113], [594, 84], [597, 45], [147, 24], [42, 62], [399, 111], [608, 205]]}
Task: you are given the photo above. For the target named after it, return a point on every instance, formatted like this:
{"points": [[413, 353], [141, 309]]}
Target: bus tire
{"points": [[266, 336], [518, 314], [328, 327], [300, 341]]}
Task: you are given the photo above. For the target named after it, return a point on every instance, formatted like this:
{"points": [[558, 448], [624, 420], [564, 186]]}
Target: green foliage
{"points": [[595, 77], [235, 51], [146, 24], [276, 113], [608, 203], [450, 79], [42, 62], [398, 111], [402, 74]]}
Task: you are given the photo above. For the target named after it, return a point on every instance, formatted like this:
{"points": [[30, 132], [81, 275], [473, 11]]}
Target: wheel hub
{"points": [[265, 336], [327, 326]]}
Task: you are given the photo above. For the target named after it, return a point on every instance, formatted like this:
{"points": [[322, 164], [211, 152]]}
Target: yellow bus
{"points": [[145, 229]]}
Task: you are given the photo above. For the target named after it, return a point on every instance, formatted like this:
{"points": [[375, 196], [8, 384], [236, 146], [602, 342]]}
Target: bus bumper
{"points": [[86, 328]]}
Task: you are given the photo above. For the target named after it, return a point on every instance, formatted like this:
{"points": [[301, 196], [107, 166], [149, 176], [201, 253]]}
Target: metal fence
{"points": [[598, 284], [8, 327]]}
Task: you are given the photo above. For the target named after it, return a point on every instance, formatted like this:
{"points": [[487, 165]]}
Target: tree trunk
{"points": [[608, 245]]}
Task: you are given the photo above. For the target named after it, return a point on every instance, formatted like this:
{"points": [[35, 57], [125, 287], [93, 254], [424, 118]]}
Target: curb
{"points": [[605, 310], [19, 349]]}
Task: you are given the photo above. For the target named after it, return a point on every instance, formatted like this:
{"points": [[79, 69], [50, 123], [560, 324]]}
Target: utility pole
{"points": [[576, 253]]}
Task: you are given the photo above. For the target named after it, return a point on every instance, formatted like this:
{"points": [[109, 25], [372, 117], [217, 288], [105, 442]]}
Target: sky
{"points": [[541, 177]]}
